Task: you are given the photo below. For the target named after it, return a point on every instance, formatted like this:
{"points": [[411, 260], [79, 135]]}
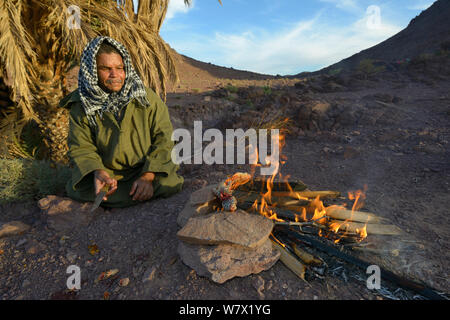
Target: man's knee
{"points": [[168, 185]]}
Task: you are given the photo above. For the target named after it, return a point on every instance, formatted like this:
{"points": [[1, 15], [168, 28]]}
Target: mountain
{"points": [[426, 33]]}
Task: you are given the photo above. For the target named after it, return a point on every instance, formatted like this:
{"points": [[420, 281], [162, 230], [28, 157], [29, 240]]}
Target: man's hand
{"points": [[143, 187], [101, 178]]}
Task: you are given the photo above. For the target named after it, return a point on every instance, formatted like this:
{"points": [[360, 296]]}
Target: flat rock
{"points": [[239, 227], [191, 210], [203, 195], [64, 214], [13, 228], [223, 262]]}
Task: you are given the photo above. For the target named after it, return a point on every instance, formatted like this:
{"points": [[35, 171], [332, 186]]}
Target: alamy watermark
{"points": [[373, 14], [213, 153], [74, 20], [74, 280], [374, 280]]}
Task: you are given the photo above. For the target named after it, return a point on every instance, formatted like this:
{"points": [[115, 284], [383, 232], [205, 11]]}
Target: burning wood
{"points": [[307, 194], [355, 227], [290, 260], [385, 274], [305, 256], [260, 185], [340, 213]]}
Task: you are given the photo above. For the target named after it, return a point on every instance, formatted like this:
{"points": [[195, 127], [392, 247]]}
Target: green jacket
{"points": [[141, 142]]}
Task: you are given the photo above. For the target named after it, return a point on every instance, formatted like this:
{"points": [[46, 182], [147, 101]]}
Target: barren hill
{"points": [[425, 34]]}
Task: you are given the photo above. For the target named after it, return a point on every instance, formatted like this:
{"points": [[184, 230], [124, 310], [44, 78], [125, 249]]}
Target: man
{"points": [[119, 131]]}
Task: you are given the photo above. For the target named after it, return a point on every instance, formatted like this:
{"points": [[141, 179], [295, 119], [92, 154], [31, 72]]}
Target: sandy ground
{"points": [[402, 157]]}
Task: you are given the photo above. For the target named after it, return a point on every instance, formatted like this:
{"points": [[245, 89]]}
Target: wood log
{"points": [[306, 257], [290, 261], [380, 229], [260, 185], [281, 213], [340, 213], [307, 194], [385, 274], [250, 196]]}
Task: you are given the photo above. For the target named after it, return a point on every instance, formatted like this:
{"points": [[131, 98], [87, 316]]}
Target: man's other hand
{"points": [[102, 178], [142, 188]]}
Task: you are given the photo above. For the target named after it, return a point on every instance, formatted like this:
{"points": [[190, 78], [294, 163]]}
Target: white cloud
{"points": [[177, 6], [343, 4], [307, 46]]}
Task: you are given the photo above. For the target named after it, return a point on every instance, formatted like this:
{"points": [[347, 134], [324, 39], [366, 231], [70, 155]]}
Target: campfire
{"points": [[258, 220]]}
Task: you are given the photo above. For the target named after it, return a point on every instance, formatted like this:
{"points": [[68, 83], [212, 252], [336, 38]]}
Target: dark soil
{"points": [[398, 147]]}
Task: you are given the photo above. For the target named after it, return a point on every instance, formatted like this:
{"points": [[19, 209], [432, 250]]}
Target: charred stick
{"points": [[307, 194], [386, 274], [260, 185], [306, 257], [289, 260]]}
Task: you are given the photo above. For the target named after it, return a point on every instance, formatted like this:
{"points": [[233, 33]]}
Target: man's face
{"points": [[110, 71]]}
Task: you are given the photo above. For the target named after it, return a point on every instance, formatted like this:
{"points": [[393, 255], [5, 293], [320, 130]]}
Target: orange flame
{"points": [[316, 207]]}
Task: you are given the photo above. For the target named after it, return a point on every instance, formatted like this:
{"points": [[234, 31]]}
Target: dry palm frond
{"points": [[17, 55]]}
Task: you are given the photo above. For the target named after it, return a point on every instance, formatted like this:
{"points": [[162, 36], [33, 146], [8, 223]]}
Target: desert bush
{"points": [[23, 179], [267, 90], [231, 88], [334, 72], [367, 67]]}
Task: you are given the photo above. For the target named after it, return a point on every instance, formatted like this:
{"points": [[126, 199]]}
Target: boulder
{"points": [[223, 262], [13, 228], [64, 214], [239, 227]]}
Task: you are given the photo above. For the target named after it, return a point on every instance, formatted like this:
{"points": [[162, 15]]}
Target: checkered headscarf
{"points": [[93, 98]]}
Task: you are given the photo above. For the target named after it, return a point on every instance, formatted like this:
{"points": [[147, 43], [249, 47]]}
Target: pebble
{"points": [[124, 282], [149, 275], [26, 283], [21, 242], [71, 256]]}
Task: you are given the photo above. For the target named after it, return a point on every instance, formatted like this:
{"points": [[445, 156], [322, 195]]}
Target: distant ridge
{"points": [[424, 34]]}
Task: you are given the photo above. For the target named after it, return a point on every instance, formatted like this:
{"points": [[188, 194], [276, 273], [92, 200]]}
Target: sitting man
{"points": [[119, 131]]}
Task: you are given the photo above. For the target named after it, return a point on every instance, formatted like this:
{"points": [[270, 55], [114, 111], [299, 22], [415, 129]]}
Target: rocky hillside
{"points": [[425, 34]]}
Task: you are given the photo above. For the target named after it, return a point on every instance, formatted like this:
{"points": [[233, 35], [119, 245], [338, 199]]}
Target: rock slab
{"points": [[13, 228], [239, 227], [224, 261], [64, 214]]}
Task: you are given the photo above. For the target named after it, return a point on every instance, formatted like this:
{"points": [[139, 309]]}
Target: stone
{"points": [[191, 210], [332, 86], [203, 195], [223, 262], [149, 275], [239, 227], [320, 107], [350, 153], [64, 214], [13, 228]]}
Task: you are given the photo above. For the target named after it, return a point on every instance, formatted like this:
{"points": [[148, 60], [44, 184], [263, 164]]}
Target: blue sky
{"points": [[283, 36]]}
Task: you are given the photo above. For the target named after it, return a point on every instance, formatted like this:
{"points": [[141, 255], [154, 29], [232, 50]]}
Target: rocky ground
{"points": [[389, 131]]}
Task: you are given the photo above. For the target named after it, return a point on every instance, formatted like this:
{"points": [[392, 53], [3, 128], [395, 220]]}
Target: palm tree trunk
{"points": [[54, 124]]}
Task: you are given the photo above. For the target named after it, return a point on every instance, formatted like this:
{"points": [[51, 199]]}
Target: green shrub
{"points": [[232, 89], [22, 179], [334, 72], [267, 90], [366, 67]]}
